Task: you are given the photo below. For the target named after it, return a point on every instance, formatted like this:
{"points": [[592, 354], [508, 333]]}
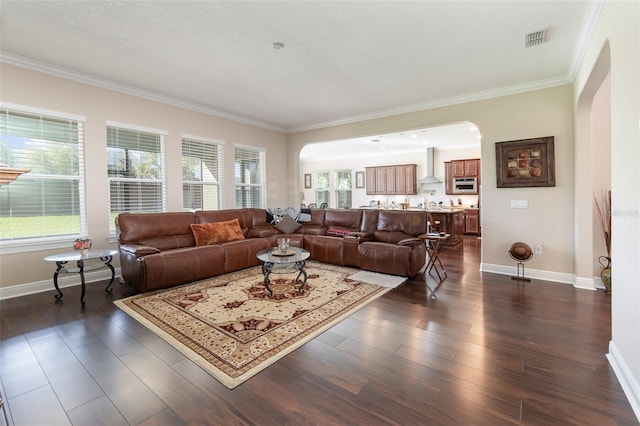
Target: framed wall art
{"points": [[525, 163], [307, 180], [359, 179]]}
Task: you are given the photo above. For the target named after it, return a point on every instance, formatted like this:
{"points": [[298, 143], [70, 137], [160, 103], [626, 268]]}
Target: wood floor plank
{"points": [[71, 382], [131, 397]]}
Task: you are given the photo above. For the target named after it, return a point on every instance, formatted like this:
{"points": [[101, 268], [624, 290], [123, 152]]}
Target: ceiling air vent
{"points": [[535, 38]]}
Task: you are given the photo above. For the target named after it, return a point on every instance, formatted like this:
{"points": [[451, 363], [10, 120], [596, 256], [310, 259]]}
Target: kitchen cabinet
{"points": [[391, 180], [460, 169], [472, 222], [448, 180], [466, 168]]}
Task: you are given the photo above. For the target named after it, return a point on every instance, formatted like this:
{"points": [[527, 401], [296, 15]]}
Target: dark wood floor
{"points": [[487, 352]]}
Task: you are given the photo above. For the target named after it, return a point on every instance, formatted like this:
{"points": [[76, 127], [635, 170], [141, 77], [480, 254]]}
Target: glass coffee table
{"points": [[277, 262], [78, 259]]}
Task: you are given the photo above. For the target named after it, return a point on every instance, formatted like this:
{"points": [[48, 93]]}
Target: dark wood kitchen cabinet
{"points": [[466, 168], [472, 222], [451, 222], [391, 180], [448, 178], [460, 169]]}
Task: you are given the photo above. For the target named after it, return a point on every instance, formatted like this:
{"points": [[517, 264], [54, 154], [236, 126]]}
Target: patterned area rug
{"points": [[230, 328]]}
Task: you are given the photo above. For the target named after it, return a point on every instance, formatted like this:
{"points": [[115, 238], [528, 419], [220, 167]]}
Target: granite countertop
{"points": [[438, 210], [429, 210]]}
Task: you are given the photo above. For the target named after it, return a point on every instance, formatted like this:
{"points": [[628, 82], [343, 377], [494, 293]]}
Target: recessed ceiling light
{"points": [[414, 136], [277, 45]]}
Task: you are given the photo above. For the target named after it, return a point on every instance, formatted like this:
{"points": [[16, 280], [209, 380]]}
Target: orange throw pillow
{"points": [[216, 232]]}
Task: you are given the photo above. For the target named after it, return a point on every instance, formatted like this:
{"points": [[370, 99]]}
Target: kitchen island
{"points": [[451, 222]]}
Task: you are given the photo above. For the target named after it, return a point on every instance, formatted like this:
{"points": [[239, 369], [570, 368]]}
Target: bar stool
{"points": [[432, 225]]}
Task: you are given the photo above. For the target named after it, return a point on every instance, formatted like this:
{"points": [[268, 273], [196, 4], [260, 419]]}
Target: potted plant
{"points": [[604, 212]]}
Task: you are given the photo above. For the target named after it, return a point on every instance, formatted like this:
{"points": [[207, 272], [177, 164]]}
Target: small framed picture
{"points": [[359, 179], [307, 180]]}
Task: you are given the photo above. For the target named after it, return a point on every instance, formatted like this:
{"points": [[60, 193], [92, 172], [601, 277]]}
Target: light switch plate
{"points": [[519, 204]]}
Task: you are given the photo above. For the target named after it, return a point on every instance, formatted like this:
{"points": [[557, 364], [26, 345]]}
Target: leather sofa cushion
{"points": [[217, 232], [261, 231], [169, 242]]}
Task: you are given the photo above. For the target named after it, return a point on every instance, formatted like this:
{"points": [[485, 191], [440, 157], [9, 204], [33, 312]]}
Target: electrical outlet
{"points": [[538, 249], [519, 204]]}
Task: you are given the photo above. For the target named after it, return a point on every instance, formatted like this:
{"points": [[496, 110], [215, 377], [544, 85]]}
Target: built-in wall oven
{"points": [[465, 185]]}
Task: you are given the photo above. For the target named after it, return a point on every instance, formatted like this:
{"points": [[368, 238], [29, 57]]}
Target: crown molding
{"points": [[584, 37], [42, 67], [472, 97]]}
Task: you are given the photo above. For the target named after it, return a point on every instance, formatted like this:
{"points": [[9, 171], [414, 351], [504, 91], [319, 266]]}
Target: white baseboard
{"points": [[537, 274], [629, 384], [594, 283], [64, 280]]}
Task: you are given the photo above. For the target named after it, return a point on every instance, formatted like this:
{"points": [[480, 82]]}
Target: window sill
{"points": [[14, 247]]}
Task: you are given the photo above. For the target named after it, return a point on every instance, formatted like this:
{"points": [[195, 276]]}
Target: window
{"points": [[201, 174], [343, 189], [47, 203], [136, 171], [322, 187], [250, 177]]}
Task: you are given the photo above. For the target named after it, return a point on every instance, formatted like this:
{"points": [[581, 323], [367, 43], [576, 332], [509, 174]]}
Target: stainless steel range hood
{"points": [[430, 177]]}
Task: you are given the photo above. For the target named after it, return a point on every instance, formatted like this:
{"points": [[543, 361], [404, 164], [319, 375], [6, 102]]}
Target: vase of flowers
{"points": [[604, 212], [82, 244]]}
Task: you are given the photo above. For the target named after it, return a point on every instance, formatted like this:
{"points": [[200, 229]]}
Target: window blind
{"points": [[48, 202], [343, 189], [322, 187], [250, 178], [202, 172], [136, 172]]}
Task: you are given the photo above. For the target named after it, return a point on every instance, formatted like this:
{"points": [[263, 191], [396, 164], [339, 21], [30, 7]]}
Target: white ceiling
{"points": [[343, 61], [451, 136]]}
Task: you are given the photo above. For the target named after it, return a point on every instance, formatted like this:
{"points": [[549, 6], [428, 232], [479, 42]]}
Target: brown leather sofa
{"points": [[158, 250]]}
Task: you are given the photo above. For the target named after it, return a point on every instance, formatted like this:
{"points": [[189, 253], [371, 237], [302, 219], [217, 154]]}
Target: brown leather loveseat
{"points": [[159, 250]]}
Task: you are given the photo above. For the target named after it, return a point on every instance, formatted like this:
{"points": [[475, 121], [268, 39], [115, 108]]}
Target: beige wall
{"points": [[614, 49], [549, 218], [38, 90]]}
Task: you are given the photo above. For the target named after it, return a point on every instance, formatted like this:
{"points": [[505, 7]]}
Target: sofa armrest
{"points": [[138, 250], [410, 242]]}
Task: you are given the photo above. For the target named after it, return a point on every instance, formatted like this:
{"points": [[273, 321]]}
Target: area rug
{"points": [[391, 281], [229, 326]]}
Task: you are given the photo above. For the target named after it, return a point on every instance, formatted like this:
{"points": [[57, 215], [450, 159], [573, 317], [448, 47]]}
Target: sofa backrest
{"points": [[164, 231], [243, 215], [317, 217], [343, 218], [396, 225], [369, 221], [258, 217]]}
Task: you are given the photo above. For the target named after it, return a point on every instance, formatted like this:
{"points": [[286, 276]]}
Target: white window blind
{"points": [[323, 187], [136, 172], [250, 177], [343, 189], [202, 172], [46, 203]]}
